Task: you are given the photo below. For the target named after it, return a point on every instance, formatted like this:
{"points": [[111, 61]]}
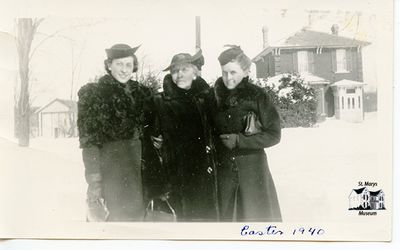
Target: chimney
{"points": [[265, 36], [198, 33], [335, 29]]}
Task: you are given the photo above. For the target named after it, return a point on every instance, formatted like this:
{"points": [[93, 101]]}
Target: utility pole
{"points": [[198, 33]]}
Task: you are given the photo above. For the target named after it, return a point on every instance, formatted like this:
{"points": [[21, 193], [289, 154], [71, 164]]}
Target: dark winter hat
{"points": [[120, 51], [184, 58], [230, 54]]}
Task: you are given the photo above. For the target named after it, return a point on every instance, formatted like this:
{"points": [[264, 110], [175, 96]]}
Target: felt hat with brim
{"points": [[185, 58], [120, 51]]}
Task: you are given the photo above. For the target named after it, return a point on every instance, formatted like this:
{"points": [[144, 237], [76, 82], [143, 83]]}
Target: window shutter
{"points": [[349, 60], [311, 62], [333, 53], [295, 63]]}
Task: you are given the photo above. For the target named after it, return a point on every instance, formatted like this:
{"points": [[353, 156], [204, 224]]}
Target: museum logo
{"points": [[366, 201]]}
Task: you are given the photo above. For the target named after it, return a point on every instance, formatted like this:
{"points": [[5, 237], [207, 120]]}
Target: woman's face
{"points": [[121, 68], [232, 74], [183, 75]]}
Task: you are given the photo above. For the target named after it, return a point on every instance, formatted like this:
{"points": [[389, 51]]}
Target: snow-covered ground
{"points": [[314, 170]]}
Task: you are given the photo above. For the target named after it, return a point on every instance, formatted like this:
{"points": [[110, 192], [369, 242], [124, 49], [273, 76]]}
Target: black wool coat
{"points": [[110, 124], [188, 164], [246, 189]]}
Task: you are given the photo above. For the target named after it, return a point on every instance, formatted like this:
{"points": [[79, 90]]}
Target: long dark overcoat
{"points": [[245, 187], [188, 167], [110, 123]]}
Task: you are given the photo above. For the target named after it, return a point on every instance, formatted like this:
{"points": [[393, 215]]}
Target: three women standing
{"points": [[186, 120]]}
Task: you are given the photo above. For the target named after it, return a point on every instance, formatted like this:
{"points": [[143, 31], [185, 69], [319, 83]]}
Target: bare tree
{"points": [[26, 29]]}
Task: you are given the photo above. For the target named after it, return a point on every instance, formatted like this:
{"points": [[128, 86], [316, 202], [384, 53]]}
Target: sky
{"points": [[79, 34]]}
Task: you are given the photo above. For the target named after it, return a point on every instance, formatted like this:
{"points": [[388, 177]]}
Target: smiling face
{"points": [[183, 75], [122, 68], [233, 74]]}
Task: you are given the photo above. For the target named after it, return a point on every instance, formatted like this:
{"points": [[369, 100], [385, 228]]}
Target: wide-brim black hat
{"points": [[184, 58], [120, 51]]}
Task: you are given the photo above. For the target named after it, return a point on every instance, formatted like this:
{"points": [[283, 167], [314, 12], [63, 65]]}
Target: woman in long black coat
{"points": [[246, 190], [110, 123], [187, 175]]}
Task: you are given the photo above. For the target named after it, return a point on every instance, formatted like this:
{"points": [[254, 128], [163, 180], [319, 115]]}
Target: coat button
{"points": [[229, 116]]}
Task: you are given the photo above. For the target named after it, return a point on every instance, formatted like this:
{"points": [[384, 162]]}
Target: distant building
{"points": [[58, 119], [363, 199], [327, 57]]}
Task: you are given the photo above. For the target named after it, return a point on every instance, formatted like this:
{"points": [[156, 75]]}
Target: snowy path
{"points": [[46, 181], [40, 185], [315, 169]]}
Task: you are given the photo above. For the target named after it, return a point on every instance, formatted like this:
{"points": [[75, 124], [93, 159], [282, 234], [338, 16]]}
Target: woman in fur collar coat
{"points": [[110, 123], [183, 136], [246, 190]]}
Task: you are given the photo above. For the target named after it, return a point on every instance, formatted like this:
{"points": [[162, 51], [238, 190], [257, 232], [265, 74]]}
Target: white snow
{"points": [[285, 92], [314, 170]]}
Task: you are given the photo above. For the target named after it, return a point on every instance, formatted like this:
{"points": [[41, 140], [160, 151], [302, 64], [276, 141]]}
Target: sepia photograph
{"points": [[178, 120]]}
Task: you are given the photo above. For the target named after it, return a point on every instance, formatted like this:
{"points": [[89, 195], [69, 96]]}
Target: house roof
{"points": [[347, 83], [359, 191], [72, 105], [315, 38], [313, 79], [306, 38], [375, 193], [307, 77]]}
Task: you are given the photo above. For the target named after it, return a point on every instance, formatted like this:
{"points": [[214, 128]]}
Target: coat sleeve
{"points": [[87, 138], [154, 176], [271, 128]]}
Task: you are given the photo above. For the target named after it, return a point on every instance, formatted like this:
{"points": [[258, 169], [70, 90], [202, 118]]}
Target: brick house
{"points": [[327, 56]]}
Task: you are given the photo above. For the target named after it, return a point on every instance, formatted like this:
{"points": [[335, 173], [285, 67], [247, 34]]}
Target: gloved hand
{"points": [[165, 196], [97, 209], [157, 141], [229, 140]]}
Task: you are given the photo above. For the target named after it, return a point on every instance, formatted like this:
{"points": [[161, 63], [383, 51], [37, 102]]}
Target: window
{"points": [[352, 103], [348, 102], [302, 61], [359, 102], [341, 60], [350, 91]]}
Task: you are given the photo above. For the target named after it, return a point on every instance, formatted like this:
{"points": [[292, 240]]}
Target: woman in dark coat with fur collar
{"points": [[110, 123], [187, 177], [245, 187]]}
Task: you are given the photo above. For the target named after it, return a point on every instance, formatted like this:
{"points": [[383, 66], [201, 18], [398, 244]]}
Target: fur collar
{"points": [[245, 90], [108, 80], [171, 91]]}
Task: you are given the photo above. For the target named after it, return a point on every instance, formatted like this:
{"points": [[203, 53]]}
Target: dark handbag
{"points": [[155, 213], [253, 125]]}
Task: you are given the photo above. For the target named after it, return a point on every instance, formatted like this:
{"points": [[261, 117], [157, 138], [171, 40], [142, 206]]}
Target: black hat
{"points": [[183, 58], [120, 51], [230, 54]]}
